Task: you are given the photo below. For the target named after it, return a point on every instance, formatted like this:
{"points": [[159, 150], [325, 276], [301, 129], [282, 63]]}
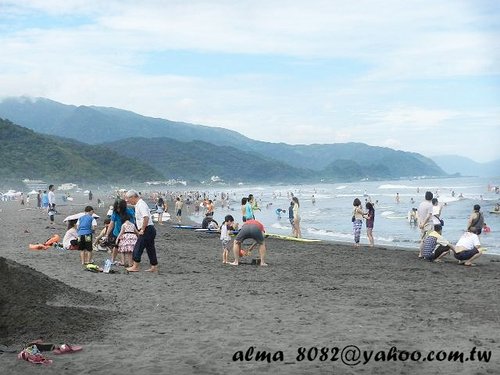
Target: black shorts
{"points": [[85, 242], [250, 231]]}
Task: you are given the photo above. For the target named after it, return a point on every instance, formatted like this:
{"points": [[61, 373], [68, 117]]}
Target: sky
{"points": [[413, 75]]}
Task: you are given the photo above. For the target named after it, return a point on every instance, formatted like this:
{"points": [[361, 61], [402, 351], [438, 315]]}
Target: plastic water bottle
{"points": [[107, 266]]}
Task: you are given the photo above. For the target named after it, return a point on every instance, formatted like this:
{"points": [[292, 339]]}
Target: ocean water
{"points": [[329, 218]]}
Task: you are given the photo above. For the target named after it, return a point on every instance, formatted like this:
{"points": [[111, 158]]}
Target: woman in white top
{"points": [[296, 218]]}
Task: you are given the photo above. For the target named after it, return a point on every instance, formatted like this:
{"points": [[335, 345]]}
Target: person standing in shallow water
{"points": [[357, 221], [370, 220], [296, 218], [147, 233]]}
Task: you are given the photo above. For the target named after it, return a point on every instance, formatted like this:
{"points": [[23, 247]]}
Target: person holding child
{"points": [[119, 209]]}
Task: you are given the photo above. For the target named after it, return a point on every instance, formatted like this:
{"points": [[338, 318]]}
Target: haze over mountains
{"points": [[176, 149]]}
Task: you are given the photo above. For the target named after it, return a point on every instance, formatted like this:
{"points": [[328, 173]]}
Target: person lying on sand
{"points": [[251, 229]]}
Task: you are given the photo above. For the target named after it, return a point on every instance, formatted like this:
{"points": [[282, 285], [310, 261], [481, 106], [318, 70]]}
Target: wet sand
{"points": [[197, 315]]}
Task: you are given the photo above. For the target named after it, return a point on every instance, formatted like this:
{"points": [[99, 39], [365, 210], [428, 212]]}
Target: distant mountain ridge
{"points": [[96, 125], [466, 167]]}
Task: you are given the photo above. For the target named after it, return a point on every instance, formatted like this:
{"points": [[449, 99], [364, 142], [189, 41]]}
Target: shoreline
{"points": [[196, 315]]}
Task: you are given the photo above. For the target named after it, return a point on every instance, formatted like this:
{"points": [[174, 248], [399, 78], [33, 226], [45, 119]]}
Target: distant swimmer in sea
{"points": [[279, 211], [486, 228], [412, 217]]}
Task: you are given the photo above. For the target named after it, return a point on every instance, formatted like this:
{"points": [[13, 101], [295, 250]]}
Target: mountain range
{"points": [[196, 152]]}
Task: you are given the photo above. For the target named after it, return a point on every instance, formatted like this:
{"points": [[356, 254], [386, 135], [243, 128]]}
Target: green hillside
{"points": [[26, 154], [199, 161], [273, 161]]}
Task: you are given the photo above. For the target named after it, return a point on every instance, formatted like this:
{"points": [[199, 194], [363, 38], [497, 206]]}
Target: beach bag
{"points": [[477, 226]]}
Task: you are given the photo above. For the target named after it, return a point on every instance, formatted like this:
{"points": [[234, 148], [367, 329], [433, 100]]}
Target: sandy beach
{"points": [[310, 310]]}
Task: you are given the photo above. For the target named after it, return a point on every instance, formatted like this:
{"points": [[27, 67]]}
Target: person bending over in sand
{"points": [[147, 233], [435, 245], [251, 229], [468, 248], [225, 238]]}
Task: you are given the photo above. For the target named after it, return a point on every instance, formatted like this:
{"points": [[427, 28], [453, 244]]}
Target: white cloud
{"points": [[395, 45]]}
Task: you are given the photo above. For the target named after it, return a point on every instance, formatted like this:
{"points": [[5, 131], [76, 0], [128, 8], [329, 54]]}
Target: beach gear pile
{"points": [[33, 352]]}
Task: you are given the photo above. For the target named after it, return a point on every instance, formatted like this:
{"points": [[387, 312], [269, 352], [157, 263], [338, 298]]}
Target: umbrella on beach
{"points": [[79, 215]]}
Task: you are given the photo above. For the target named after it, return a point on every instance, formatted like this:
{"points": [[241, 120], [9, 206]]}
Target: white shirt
{"points": [[468, 241], [71, 234], [224, 233], [52, 197], [141, 211], [436, 211], [424, 210]]}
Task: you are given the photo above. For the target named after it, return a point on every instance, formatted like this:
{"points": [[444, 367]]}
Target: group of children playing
{"points": [[79, 236]]}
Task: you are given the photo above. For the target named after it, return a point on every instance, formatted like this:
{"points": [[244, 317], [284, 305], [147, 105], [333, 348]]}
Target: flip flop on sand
{"points": [[469, 265], [66, 349]]}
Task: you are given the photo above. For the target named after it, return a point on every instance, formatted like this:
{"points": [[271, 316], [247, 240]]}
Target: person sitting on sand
{"points": [[70, 240], [102, 233], [209, 223], [435, 245], [225, 238], [468, 248], [251, 229]]}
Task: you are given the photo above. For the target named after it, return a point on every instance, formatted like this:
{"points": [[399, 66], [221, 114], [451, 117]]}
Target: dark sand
{"points": [[197, 313]]}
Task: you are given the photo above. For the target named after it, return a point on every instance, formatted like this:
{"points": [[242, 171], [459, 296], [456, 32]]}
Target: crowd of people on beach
{"points": [[128, 231]]}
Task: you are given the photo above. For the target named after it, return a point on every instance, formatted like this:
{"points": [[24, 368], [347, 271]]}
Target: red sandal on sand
{"points": [[66, 349]]}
